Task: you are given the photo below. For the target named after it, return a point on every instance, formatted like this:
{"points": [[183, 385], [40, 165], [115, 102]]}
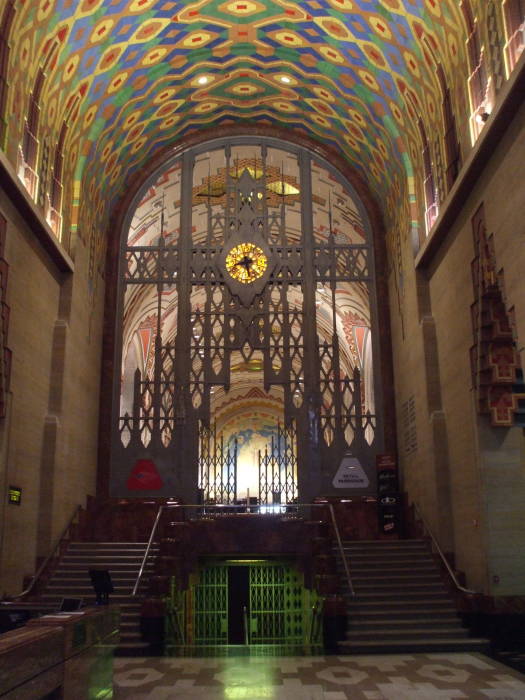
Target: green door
{"points": [[279, 605], [210, 606], [276, 605]]}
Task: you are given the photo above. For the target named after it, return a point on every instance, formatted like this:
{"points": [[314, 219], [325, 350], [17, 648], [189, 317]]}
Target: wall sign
{"points": [[14, 495], [350, 474], [387, 480]]}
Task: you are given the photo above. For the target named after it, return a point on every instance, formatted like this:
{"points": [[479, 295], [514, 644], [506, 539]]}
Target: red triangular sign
{"points": [[144, 477]]}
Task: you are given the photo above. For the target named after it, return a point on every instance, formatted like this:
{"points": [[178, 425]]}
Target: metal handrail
{"points": [[341, 550], [313, 620], [146, 553], [246, 631], [180, 627], [219, 507], [173, 614], [46, 561], [440, 552]]}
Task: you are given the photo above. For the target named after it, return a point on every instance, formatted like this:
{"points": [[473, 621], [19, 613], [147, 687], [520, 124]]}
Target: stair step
{"points": [[86, 589], [119, 556], [115, 546], [113, 597], [396, 606], [80, 577], [416, 578], [422, 645], [366, 557], [381, 587], [397, 599], [408, 633], [371, 616], [384, 622], [384, 564], [120, 567], [400, 546], [394, 570]]}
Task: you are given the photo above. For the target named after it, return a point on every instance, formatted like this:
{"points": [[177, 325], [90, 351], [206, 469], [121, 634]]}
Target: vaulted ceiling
{"points": [[131, 77]]}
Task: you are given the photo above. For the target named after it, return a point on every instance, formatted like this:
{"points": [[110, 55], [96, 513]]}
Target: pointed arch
{"points": [[477, 81], [6, 22], [429, 187], [450, 137], [514, 12]]}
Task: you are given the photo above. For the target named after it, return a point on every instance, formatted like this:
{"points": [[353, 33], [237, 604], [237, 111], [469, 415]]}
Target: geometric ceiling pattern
{"points": [[132, 77]]}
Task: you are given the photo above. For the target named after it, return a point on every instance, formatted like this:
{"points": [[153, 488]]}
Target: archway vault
{"points": [[123, 80], [246, 262]]}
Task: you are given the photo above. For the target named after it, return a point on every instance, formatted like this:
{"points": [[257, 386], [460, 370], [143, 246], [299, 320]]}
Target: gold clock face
{"points": [[246, 263]]}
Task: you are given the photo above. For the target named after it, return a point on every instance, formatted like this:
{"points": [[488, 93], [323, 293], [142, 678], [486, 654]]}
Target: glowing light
{"points": [[272, 509], [203, 80], [246, 262], [282, 188], [285, 79]]}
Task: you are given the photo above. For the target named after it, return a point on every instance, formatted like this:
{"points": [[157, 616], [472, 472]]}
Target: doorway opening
{"points": [[248, 603]]}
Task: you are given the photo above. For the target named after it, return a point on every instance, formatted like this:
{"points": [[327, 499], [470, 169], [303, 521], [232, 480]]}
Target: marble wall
{"points": [[468, 476], [49, 435]]}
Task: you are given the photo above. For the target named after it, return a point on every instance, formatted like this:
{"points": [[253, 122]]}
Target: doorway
{"points": [[238, 604], [248, 602]]}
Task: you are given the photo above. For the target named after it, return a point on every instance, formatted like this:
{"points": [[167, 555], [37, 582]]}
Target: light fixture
{"points": [[285, 79], [481, 117], [202, 80]]}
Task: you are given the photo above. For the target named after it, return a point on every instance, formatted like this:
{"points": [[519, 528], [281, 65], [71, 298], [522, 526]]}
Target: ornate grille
{"points": [[217, 468], [200, 317], [276, 605], [278, 468], [210, 607]]}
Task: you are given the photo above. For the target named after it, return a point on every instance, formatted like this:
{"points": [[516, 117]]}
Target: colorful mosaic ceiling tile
{"points": [[134, 76]]}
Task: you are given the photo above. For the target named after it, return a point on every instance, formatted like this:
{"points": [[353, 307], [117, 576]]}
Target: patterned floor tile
{"points": [[393, 677]]}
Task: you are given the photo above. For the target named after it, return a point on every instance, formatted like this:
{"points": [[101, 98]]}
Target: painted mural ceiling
{"points": [[131, 77]]}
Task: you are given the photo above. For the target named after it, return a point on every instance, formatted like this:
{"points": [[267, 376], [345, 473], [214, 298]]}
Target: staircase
{"points": [[400, 603], [122, 560]]}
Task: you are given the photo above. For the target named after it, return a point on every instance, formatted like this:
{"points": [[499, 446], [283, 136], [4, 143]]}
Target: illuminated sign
{"points": [[14, 495]]}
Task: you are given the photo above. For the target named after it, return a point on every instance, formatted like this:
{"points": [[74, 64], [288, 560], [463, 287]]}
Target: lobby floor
{"points": [[393, 677]]}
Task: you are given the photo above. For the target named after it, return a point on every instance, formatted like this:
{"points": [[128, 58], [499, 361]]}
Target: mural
{"points": [[131, 77]]}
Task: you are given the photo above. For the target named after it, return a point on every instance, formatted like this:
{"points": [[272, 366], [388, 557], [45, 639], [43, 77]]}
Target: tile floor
{"points": [[392, 677]]}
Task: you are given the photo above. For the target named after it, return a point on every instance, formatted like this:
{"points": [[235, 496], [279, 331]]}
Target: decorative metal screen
{"points": [[278, 468], [210, 606], [277, 610], [280, 608], [217, 468], [256, 251]]}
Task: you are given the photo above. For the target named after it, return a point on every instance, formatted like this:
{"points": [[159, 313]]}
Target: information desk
{"points": [[70, 654]]}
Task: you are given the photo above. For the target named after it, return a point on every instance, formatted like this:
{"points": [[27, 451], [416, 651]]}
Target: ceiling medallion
{"points": [[246, 263]]}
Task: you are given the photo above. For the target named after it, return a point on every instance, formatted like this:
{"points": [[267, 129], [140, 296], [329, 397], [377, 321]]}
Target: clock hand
{"points": [[246, 262]]}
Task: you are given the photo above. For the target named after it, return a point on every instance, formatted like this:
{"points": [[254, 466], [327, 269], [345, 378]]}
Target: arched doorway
{"points": [[247, 307]]}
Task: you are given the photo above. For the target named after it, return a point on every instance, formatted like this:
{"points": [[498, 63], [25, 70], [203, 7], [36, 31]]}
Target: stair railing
{"points": [[451, 572], [146, 553], [341, 549], [246, 628], [175, 624], [50, 556], [284, 506], [315, 622]]}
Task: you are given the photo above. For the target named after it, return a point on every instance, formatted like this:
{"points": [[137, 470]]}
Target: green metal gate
{"points": [[210, 606], [280, 607], [277, 605]]}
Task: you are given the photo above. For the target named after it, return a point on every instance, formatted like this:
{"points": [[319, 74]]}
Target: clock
{"points": [[246, 262]]}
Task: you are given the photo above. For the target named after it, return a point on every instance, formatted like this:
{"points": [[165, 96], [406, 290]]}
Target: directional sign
{"points": [[350, 474]]}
